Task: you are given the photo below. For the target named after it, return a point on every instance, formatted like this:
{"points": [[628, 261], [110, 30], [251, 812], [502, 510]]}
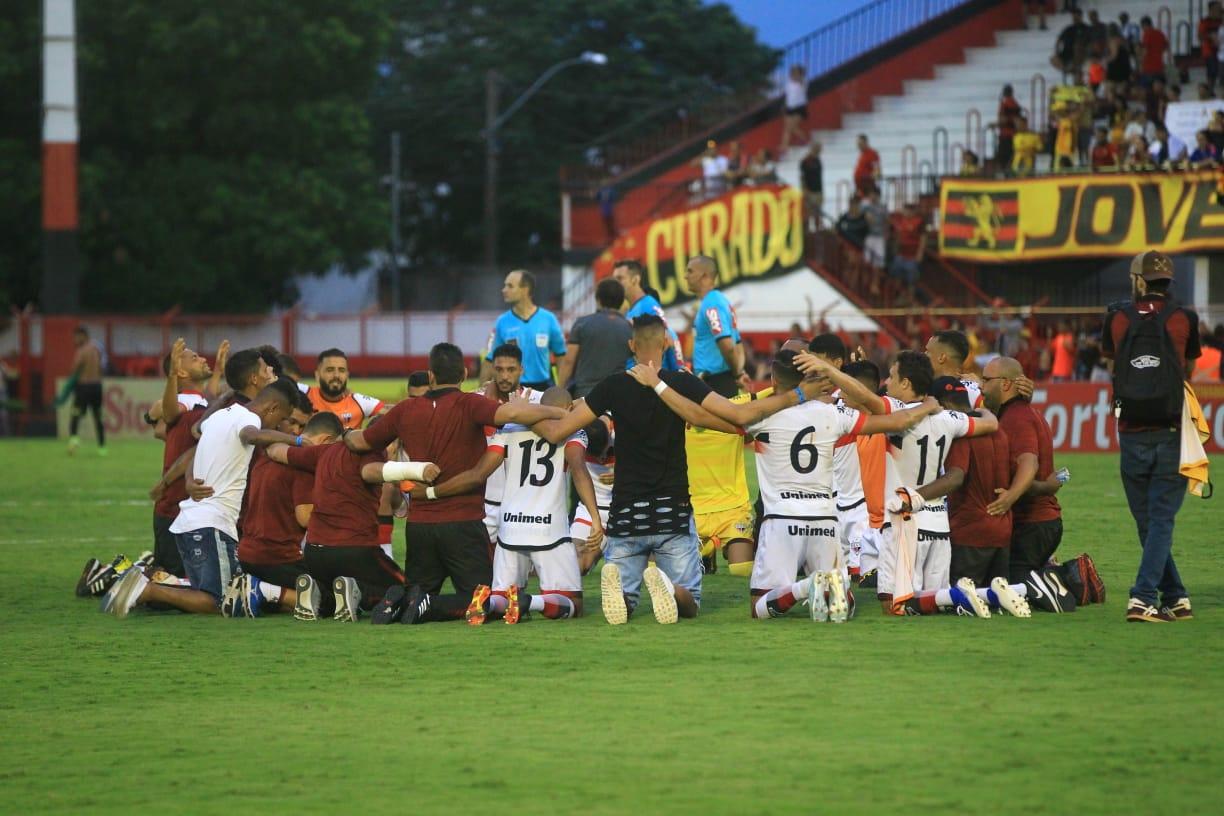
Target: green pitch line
{"points": [[1078, 713]]}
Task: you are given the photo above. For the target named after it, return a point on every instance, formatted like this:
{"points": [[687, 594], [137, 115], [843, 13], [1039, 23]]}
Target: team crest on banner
{"points": [[981, 221]]}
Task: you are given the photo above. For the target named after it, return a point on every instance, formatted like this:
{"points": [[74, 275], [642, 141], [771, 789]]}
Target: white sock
{"points": [[270, 593], [537, 603], [943, 598], [1020, 589], [801, 589]]}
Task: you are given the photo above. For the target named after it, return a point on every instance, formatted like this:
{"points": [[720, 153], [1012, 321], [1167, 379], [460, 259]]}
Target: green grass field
{"points": [[167, 713]]}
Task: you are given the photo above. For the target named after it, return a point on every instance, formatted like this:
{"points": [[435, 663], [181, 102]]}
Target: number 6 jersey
{"points": [[794, 458], [534, 512]]}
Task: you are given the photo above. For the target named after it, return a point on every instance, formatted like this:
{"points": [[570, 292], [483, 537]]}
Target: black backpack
{"points": [[1148, 377]]}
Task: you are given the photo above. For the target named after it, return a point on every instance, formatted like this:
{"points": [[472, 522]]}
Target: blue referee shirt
{"points": [[715, 320], [536, 337], [648, 305]]}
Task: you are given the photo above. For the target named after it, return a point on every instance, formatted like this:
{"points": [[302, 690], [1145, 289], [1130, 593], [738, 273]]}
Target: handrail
{"points": [[973, 131], [935, 151], [1183, 26], [1164, 21], [1194, 13], [1038, 103]]}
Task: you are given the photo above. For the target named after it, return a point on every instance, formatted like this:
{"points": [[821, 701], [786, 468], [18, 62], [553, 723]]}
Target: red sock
{"points": [[386, 526]]}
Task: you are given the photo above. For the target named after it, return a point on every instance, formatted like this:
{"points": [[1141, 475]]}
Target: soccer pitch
{"points": [[171, 713]]}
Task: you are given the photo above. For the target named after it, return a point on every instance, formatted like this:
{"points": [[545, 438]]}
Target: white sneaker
{"points": [[975, 605], [1009, 599], [307, 607], [662, 600], [839, 607], [818, 603], [348, 600], [127, 592], [612, 595]]}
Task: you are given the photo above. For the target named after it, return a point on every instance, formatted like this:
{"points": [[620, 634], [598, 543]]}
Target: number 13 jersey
{"points": [[534, 512], [794, 458]]}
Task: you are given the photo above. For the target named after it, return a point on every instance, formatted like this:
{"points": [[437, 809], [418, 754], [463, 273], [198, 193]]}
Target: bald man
{"points": [[718, 356], [1036, 515]]}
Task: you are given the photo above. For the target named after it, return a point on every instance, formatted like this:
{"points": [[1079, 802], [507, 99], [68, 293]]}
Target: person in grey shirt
{"points": [[598, 343]]}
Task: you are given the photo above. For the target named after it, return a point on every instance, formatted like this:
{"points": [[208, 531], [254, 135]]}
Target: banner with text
{"points": [[752, 233], [124, 401], [1082, 421], [1084, 216]]}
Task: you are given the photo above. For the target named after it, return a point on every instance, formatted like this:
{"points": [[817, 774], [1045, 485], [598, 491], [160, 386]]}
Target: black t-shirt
{"points": [[650, 495], [1072, 36], [813, 174]]}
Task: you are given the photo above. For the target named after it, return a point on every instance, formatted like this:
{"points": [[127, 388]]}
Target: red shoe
{"points": [[476, 611], [512, 607]]}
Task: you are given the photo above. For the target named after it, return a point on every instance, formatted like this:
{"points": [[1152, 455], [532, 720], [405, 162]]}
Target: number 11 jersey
{"points": [[534, 507], [919, 454]]}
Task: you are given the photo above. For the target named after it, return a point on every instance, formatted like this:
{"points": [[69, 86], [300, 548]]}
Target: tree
{"points": [[432, 91], [224, 148]]}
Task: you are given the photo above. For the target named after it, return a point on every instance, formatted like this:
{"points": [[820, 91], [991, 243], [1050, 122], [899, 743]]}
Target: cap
{"points": [[952, 391], [1152, 265]]}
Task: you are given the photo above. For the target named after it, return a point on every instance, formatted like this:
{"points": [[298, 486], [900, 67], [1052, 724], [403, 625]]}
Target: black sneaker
{"points": [[416, 604], [92, 567], [709, 564], [869, 579], [389, 608]]}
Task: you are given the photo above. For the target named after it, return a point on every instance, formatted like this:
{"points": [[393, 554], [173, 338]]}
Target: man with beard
{"points": [[332, 393], [506, 383]]}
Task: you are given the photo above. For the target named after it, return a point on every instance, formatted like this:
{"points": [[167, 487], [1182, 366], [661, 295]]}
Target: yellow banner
{"points": [[1079, 216]]}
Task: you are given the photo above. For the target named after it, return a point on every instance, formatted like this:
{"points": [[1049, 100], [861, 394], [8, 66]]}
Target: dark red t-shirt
{"points": [[178, 441], [1028, 432], [445, 427], [1154, 46], [345, 510], [865, 167], [270, 532], [909, 231], [1182, 327], [984, 461]]}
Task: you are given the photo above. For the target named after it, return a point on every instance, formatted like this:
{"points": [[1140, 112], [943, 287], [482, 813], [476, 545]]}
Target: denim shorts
{"points": [[210, 558], [675, 554]]}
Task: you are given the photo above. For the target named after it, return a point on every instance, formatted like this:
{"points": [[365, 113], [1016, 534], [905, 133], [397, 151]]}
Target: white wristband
{"points": [[431, 493], [401, 471], [660, 387]]}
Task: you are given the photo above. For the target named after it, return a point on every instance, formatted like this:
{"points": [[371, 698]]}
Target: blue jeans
{"points": [[210, 558], [674, 553], [1154, 490]]}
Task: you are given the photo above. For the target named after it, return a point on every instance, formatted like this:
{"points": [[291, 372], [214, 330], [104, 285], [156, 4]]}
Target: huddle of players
{"points": [[851, 484]]}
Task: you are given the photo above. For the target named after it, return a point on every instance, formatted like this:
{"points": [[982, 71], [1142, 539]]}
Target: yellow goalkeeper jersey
{"points": [[716, 465]]}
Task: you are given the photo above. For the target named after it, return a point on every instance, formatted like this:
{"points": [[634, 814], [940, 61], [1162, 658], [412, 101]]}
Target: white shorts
{"points": [[492, 520], [852, 525], [932, 561], [556, 568], [787, 548], [580, 528]]}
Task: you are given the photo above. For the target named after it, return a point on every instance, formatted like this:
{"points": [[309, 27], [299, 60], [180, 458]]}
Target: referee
{"points": [[718, 356]]}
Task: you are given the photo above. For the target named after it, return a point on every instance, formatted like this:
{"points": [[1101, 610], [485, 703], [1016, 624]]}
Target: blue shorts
{"points": [[210, 558]]}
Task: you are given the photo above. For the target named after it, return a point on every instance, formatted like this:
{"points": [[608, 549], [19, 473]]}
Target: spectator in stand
{"points": [[1137, 158], [1139, 125], [713, 171], [853, 224], [1096, 74], [1130, 31], [811, 169], [1215, 131], [1063, 367], [1037, 7], [1153, 48], [1071, 46], [1167, 151], [1104, 156], [867, 170], [598, 343], [605, 196], [911, 235], [1065, 152], [762, 169], [737, 166], [1157, 101], [971, 165], [1027, 144], [1119, 65], [1208, 32], [1098, 35], [1005, 121], [795, 109], [1204, 153], [876, 247], [1205, 92]]}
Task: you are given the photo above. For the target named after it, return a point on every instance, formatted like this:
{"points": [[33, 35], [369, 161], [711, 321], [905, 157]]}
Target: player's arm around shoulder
{"points": [[898, 421], [984, 423]]}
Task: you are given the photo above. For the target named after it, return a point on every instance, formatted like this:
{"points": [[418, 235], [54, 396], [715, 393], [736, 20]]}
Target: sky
{"points": [[780, 22]]}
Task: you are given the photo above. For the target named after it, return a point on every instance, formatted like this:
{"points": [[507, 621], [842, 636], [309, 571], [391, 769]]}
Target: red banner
{"points": [[1081, 415]]}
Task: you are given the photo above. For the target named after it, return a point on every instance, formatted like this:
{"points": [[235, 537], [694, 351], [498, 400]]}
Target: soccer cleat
{"points": [[92, 567], [307, 607], [512, 613], [966, 600], [1040, 595], [127, 592], [74, 442], [869, 579], [818, 597], [1138, 611], [389, 609], [612, 595], [230, 606], [348, 599], [662, 600], [1009, 600], [250, 599], [851, 607], [416, 604], [1179, 611], [478, 609], [106, 577], [145, 559], [838, 606]]}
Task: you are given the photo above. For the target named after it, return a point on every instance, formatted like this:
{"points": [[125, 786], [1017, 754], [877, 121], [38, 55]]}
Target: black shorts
{"points": [[979, 564], [282, 575], [1032, 545], [369, 566], [722, 383], [86, 396], [799, 110], [458, 550], [165, 548]]}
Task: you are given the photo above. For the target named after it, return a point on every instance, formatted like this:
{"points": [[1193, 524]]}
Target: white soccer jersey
{"points": [[495, 485], [534, 509], [975, 392], [222, 460], [794, 458], [596, 468], [192, 399], [919, 454], [847, 480]]}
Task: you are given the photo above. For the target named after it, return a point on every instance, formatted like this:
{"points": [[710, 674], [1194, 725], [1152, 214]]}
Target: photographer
{"points": [[1151, 340]]}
